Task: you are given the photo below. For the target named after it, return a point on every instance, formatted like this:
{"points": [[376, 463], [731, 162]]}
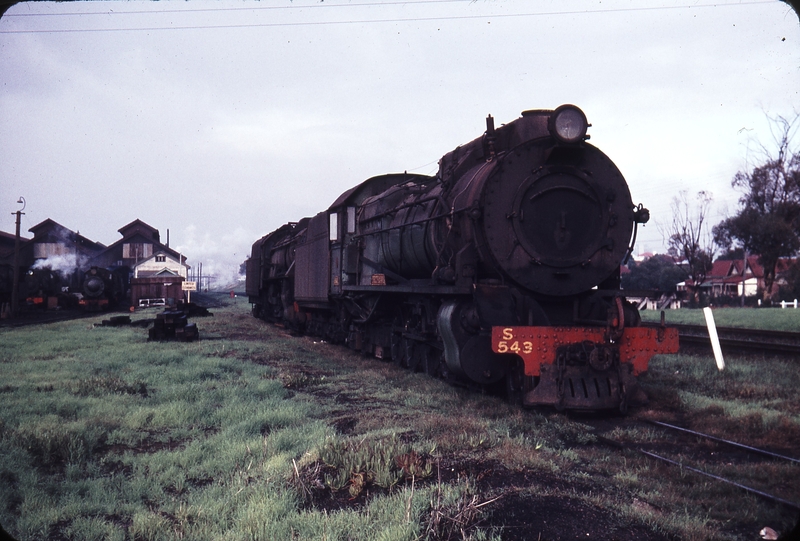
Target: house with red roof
{"points": [[727, 278]]}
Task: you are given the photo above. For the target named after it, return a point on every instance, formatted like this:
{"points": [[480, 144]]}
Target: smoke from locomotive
{"points": [[502, 269]]}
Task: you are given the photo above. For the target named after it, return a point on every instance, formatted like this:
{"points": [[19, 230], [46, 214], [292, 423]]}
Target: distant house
{"points": [[726, 278], [140, 248], [156, 270], [642, 257], [160, 264]]}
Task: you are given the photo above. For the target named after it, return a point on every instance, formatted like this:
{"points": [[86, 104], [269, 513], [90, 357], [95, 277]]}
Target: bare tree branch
{"points": [[768, 220], [689, 238]]}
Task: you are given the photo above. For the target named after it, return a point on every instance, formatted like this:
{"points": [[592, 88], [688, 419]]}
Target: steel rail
{"points": [[724, 480], [739, 338], [751, 345], [738, 331], [746, 488], [700, 330], [728, 442]]}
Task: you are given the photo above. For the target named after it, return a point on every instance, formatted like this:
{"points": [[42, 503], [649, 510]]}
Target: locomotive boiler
{"points": [[503, 269]]}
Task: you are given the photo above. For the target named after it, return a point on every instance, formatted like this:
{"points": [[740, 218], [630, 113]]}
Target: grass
{"points": [[107, 436], [775, 319], [252, 434], [103, 431]]}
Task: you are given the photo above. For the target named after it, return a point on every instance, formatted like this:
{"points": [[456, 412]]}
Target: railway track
{"points": [[740, 339], [691, 446], [45, 317]]}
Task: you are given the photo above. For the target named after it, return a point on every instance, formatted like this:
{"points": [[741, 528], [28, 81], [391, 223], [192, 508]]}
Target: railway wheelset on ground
{"points": [[501, 270]]}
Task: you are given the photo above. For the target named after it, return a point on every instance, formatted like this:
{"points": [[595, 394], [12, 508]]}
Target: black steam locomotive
{"points": [[503, 269], [43, 287], [103, 289]]}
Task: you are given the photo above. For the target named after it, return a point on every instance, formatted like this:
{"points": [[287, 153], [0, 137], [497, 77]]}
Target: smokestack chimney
{"points": [[167, 237]]}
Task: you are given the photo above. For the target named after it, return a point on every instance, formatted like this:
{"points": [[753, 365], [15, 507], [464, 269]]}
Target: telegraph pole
{"points": [[15, 290]]}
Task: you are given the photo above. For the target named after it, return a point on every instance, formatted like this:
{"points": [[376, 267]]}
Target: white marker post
{"points": [[712, 333]]}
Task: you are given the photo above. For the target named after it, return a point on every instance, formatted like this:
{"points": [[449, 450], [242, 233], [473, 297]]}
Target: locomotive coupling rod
{"points": [[720, 440]]}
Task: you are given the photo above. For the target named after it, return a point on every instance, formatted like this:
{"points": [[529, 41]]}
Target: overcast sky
{"points": [[220, 121]]}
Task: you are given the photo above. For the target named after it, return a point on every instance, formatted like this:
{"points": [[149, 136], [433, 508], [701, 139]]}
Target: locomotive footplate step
{"points": [[574, 387]]}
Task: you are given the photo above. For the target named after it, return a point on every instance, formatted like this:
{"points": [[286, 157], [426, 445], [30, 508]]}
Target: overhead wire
{"points": [[345, 22], [248, 8]]}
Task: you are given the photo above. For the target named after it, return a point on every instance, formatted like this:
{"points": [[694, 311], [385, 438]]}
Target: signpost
{"points": [[189, 287]]}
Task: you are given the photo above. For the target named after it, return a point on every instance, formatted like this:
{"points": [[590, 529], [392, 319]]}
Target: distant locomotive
{"points": [[103, 289], [503, 269], [43, 287]]}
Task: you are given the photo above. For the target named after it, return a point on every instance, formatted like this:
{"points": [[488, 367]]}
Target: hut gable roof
{"points": [[139, 232], [51, 231], [139, 227]]}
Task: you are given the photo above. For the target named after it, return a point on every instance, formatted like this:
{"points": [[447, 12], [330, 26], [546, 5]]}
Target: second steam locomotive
{"points": [[503, 269]]}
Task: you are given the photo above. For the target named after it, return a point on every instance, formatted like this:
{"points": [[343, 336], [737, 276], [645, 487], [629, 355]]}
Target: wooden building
{"points": [[156, 290], [155, 270], [140, 242], [58, 247]]}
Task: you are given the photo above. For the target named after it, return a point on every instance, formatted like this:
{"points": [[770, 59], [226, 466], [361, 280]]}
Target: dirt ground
{"points": [[514, 513]]}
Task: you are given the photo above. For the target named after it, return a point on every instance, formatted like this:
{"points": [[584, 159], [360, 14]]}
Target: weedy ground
{"points": [[251, 433]]}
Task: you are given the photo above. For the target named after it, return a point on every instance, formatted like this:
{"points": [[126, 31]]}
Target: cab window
{"points": [[334, 226]]}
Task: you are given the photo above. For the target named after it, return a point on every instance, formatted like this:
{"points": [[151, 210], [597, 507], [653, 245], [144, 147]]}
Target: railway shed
{"points": [[163, 289], [140, 243], [52, 265]]}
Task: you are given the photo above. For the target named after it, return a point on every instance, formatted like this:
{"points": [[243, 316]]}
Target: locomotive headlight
{"points": [[568, 124]]}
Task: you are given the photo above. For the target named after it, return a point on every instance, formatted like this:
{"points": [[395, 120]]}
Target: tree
{"points": [[768, 220], [731, 254], [689, 239], [791, 290], [658, 272]]}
